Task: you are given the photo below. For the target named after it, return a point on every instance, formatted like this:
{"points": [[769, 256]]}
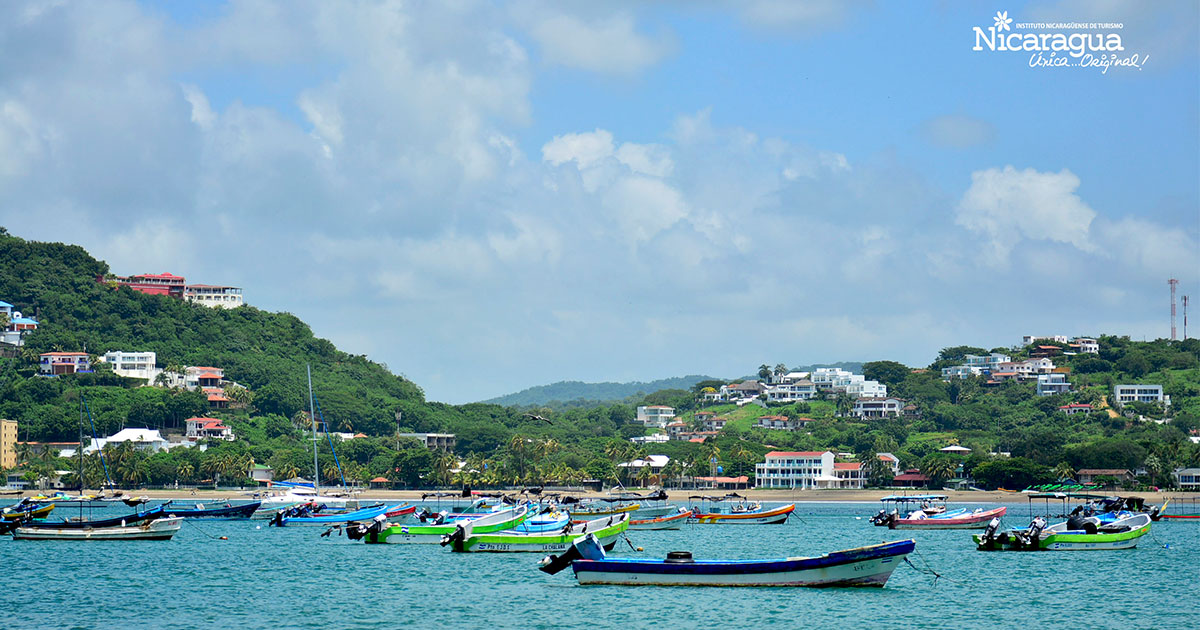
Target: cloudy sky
{"points": [[490, 196]]}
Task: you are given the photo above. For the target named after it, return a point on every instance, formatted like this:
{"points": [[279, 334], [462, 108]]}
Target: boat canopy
{"points": [[906, 498]]}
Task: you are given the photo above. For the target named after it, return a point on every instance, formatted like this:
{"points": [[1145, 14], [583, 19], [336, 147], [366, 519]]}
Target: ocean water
{"points": [[291, 578]]}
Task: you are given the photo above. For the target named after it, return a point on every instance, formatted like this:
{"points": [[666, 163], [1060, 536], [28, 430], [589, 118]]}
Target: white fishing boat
{"points": [[156, 529]]}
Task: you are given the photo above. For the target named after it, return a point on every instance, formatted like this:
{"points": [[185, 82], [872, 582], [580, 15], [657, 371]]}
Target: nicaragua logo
{"points": [[1002, 36]]}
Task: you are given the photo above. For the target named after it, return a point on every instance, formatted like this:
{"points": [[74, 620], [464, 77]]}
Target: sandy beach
{"points": [[678, 495]]}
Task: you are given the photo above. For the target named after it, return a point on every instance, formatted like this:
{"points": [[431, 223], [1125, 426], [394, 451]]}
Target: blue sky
{"points": [[489, 196]]}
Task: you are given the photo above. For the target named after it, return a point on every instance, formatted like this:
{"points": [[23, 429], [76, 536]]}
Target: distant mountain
{"points": [[566, 391]]}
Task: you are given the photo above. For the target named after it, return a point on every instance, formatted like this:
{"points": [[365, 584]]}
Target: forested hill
{"points": [[266, 352], [569, 391]]}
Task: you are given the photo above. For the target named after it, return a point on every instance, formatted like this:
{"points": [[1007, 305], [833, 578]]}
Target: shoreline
{"points": [[677, 495]]}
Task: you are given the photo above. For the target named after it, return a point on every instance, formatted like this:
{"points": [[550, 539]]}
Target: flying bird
{"points": [[533, 416]]}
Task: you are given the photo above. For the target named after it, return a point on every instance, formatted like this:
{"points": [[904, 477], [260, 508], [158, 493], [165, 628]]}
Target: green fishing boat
{"points": [[381, 532], [1072, 535], [606, 530]]}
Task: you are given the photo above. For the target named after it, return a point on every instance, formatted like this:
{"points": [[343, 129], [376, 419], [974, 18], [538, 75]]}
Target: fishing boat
{"points": [[1075, 534], [606, 530], [26, 510], [152, 529], [666, 521], [897, 504], [287, 518], [734, 509], [225, 512], [380, 531], [549, 519], [591, 511], [863, 566], [954, 519]]}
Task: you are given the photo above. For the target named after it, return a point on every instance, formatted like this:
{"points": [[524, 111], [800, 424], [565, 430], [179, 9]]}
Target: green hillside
{"points": [[267, 353], [590, 394]]}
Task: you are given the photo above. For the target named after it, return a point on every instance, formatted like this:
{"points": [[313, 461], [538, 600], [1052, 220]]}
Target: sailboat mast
{"points": [[313, 414], [81, 457]]}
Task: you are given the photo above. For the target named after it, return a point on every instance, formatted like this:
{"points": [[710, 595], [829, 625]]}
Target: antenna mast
{"points": [[1173, 282], [312, 414], [1185, 301]]}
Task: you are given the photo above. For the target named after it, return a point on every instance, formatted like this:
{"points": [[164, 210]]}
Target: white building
{"points": [[1140, 393], [986, 363], [849, 474], [133, 364], [149, 440], [655, 415], [796, 469], [824, 378], [1187, 478], [1031, 339], [1056, 383], [657, 438], [201, 428], [960, 371], [1086, 344], [892, 462], [791, 391], [877, 407], [867, 389], [213, 296]]}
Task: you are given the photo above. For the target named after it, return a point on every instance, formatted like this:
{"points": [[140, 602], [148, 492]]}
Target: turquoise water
{"points": [[291, 578]]}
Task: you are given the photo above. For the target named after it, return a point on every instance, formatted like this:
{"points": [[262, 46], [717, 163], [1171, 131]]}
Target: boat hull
{"points": [[975, 520], [766, 517], [39, 512], [234, 512], [433, 534], [503, 542], [865, 566], [158, 529], [670, 521], [1056, 538]]}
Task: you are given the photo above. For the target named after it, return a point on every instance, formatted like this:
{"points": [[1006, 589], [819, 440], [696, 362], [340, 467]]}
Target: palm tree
{"points": [[644, 473], [1155, 466], [939, 469], [844, 403], [184, 471], [1064, 471], [780, 370], [288, 471], [23, 451], [764, 371]]}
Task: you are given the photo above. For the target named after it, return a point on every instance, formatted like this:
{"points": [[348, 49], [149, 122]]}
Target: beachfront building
{"points": [[892, 462], [877, 408], [56, 363], [208, 428], [261, 473], [213, 296], [149, 440], [850, 475], [655, 415], [796, 469], [655, 463], [133, 364], [1049, 384], [1153, 394], [1091, 475], [1187, 478], [8, 443]]}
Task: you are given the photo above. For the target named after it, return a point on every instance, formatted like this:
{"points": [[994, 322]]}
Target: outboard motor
{"points": [[880, 518], [456, 538], [990, 532], [277, 520], [553, 564], [1155, 512]]}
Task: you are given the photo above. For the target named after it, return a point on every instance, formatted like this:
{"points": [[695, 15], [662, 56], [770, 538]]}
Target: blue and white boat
{"points": [[366, 514], [863, 566]]}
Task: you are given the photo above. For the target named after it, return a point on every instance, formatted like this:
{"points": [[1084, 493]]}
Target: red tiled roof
{"points": [[380, 480], [63, 354], [847, 466], [208, 375], [1076, 406], [911, 477], [772, 417]]}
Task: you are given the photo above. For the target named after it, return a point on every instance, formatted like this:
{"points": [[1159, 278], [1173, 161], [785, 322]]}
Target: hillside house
{"points": [[867, 408], [56, 363], [655, 415], [208, 428]]}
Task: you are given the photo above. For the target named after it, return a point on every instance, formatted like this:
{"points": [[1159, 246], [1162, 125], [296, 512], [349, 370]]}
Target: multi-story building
{"points": [[1123, 394], [212, 428], [18, 325], [867, 389], [655, 415], [8, 443], [849, 474], [892, 462], [791, 391], [714, 423], [960, 371], [781, 423], [63, 363], [214, 295], [1048, 384], [133, 364], [443, 441], [152, 283], [1187, 478], [986, 363], [877, 408], [796, 469], [1085, 344]]}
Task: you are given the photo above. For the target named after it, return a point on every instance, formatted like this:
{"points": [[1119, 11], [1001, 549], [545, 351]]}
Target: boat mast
{"points": [[312, 414], [81, 457]]}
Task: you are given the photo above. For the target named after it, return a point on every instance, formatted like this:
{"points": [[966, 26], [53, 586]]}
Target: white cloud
{"points": [[648, 159], [202, 113], [585, 149], [1148, 246], [1007, 205], [643, 207], [603, 44]]}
